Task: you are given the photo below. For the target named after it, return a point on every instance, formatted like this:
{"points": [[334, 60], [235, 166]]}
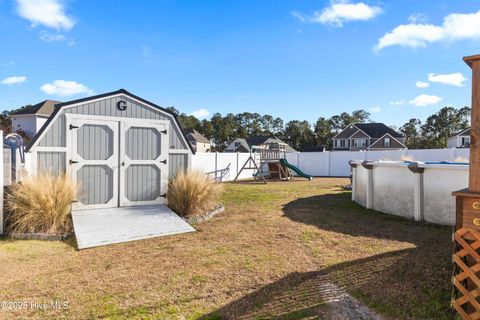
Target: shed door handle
{"points": [[73, 161], [164, 161]]}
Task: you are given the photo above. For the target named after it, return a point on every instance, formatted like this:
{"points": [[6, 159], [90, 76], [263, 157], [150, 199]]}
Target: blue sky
{"points": [[293, 59]]}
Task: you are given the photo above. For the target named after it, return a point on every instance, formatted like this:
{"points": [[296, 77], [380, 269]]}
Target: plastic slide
{"points": [[285, 163]]}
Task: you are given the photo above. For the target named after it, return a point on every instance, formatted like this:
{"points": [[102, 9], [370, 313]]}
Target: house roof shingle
{"points": [[464, 132], [44, 108], [374, 130], [193, 134], [377, 130]]}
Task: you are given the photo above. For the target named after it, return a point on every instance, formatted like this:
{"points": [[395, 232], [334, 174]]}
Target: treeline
{"points": [[436, 130], [222, 130]]}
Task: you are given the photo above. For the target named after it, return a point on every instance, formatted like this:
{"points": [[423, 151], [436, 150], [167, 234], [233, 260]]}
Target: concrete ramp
{"points": [[100, 227]]}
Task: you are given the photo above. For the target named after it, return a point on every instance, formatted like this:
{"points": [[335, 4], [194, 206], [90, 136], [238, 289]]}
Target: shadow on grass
{"points": [[337, 213], [404, 284]]}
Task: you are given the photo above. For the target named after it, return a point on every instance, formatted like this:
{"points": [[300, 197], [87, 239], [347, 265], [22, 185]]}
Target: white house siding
{"points": [[452, 142], [202, 147], [27, 123]]}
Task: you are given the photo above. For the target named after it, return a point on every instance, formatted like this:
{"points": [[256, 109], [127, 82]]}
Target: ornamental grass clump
{"points": [[192, 193], [41, 204]]}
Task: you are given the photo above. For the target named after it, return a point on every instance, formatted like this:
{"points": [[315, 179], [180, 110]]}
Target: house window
{"points": [[359, 142], [342, 143], [466, 142], [237, 144], [386, 142]]}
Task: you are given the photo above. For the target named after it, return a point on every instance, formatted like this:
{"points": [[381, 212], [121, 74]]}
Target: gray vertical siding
{"points": [[176, 163], [108, 107], [53, 162], [143, 143], [55, 135], [95, 142], [142, 182], [176, 141], [95, 184]]}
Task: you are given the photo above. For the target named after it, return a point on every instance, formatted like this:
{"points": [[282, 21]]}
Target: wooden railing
{"points": [[271, 154]]}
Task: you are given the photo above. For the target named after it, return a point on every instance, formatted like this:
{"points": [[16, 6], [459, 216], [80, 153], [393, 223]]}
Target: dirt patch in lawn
{"points": [[263, 258]]}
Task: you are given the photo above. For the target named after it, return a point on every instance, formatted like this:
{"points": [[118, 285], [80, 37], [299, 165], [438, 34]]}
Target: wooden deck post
{"points": [[466, 256], [474, 173]]}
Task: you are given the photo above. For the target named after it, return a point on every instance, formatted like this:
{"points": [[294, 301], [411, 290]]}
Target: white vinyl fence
{"points": [[335, 163], [225, 166]]}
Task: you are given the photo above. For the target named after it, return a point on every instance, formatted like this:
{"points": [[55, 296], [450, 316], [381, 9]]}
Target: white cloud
{"points": [[418, 18], [65, 88], [422, 84], [200, 113], [300, 16], [375, 109], [455, 26], [425, 100], [453, 79], [340, 12], [13, 80], [49, 13], [397, 103], [49, 37]]}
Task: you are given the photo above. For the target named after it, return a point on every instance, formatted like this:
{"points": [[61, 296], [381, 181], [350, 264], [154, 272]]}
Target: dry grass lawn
{"points": [[261, 259]]}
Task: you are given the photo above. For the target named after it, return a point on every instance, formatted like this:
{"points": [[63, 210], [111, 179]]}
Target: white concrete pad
{"points": [[100, 227]]}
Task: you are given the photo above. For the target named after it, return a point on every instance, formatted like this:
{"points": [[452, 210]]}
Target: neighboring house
{"points": [[245, 145], [198, 141], [368, 136], [460, 139], [31, 118]]}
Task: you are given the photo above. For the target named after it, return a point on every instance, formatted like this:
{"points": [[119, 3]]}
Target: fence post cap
{"points": [[367, 164], [415, 168]]}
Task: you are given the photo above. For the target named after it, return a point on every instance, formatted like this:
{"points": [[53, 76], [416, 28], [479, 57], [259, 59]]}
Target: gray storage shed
{"points": [[119, 148]]}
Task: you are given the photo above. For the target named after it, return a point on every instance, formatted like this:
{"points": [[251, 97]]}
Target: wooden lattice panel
{"points": [[466, 282]]}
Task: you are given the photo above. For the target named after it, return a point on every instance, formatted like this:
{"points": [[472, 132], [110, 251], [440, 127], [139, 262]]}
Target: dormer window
{"points": [[237, 144], [386, 142]]}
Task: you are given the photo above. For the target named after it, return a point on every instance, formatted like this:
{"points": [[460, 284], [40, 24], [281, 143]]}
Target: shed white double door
{"points": [[117, 162]]}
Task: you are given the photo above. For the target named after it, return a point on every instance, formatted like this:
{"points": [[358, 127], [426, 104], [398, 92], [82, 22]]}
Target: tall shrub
{"points": [[192, 193], [41, 203]]}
